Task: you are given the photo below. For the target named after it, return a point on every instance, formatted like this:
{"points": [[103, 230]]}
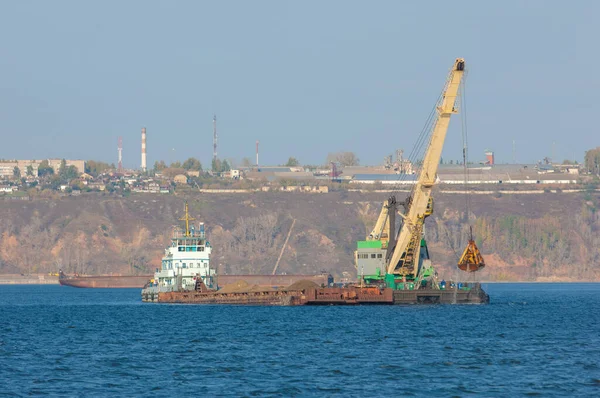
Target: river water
{"points": [[532, 339]]}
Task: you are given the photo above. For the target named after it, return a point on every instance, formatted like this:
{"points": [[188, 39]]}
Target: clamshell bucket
{"points": [[471, 259]]}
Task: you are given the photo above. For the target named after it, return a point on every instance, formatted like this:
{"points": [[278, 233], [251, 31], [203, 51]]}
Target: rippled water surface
{"points": [[533, 339]]}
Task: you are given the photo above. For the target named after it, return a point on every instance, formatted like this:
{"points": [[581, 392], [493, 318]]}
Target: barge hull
{"points": [[109, 281], [138, 281], [326, 296], [475, 295], [252, 298]]}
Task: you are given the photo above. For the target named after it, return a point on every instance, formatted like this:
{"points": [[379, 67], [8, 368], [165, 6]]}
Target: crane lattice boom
{"points": [[406, 253]]}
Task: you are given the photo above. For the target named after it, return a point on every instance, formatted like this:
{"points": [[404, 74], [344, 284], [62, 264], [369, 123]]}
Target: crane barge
{"points": [[399, 259], [393, 264]]}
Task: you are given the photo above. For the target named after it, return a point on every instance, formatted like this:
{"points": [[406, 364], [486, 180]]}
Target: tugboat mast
{"points": [[187, 220]]}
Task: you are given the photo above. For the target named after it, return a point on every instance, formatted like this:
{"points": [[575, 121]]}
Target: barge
{"points": [[103, 281], [312, 295], [139, 281], [186, 277]]}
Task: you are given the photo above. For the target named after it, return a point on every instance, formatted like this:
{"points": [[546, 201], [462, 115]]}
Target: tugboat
{"points": [[186, 263]]}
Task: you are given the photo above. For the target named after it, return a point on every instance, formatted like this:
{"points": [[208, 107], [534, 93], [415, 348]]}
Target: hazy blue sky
{"points": [[304, 77]]}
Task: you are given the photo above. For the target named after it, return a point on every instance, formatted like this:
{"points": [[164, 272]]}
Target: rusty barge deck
{"points": [[326, 296]]}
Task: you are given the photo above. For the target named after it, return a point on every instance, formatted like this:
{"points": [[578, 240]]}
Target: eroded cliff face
{"points": [[523, 237]]}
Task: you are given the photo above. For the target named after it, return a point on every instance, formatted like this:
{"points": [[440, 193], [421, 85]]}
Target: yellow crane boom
{"points": [[406, 253]]}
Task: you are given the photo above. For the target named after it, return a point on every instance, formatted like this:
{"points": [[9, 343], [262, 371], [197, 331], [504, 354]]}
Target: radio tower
{"points": [[215, 140], [120, 149]]}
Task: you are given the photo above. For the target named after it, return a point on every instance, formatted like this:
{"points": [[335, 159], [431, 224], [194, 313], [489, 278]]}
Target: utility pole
{"points": [[215, 140], [514, 153]]}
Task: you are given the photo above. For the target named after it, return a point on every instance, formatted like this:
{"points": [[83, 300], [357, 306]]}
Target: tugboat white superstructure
{"points": [[186, 261]]}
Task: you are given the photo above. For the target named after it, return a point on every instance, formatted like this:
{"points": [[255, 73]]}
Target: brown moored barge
{"points": [[103, 281], [139, 281]]}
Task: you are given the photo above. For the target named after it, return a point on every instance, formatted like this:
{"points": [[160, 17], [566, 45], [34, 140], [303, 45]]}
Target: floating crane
{"points": [[403, 256]]}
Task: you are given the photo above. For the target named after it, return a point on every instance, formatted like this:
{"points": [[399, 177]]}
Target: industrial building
{"points": [[480, 174]]}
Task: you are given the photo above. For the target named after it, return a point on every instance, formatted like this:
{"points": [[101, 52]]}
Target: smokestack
{"points": [[143, 148], [120, 149], [256, 153]]}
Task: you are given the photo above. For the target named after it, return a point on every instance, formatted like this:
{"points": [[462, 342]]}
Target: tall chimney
{"points": [[120, 149], [256, 153], [143, 148]]}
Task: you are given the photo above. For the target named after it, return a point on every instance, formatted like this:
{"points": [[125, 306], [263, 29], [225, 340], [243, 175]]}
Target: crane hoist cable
{"points": [[416, 149], [465, 137], [471, 259]]}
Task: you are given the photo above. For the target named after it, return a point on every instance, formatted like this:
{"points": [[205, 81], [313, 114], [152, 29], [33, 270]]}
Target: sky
{"points": [[305, 78]]}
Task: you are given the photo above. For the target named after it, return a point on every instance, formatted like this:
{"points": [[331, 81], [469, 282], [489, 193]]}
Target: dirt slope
{"points": [[522, 236]]}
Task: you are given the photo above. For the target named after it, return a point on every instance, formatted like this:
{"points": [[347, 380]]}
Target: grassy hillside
{"points": [[523, 237]]}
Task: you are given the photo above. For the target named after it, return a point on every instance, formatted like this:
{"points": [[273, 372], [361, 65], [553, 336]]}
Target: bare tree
{"points": [[343, 158]]}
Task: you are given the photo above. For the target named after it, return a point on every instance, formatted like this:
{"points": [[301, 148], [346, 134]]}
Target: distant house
{"points": [[154, 187], [7, 188], [320, 189], [305, 188], [568, 168], [233, 174], [180, 179], [193, 173], [100, 186], [544, 168]]}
